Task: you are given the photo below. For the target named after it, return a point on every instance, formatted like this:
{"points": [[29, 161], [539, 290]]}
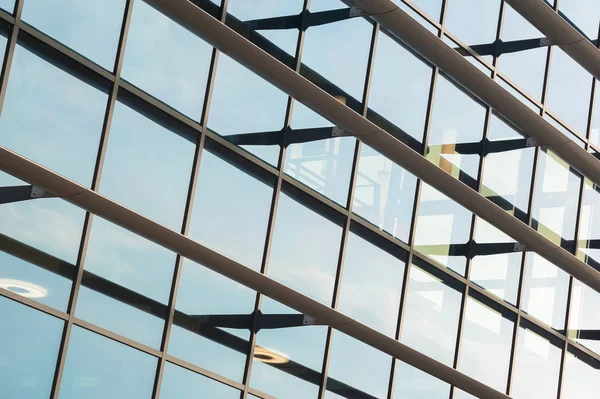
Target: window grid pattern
{"points": [[20, 31]]}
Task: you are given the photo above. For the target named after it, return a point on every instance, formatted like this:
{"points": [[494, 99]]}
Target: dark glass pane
{"points": [[166, 60], [371, 285], [129, 262], [52, 117], [29, 344], [431, 317], [305, 250], [473, 21], [147, 167], [412, 383], [584, 320], [384, 193], [180, 383], [399, 90], [231, 211], [89, 27], [362, 367], [195, 338], [98, 367], [323, 165], [288, 360], [242, 102], [49, 224], [580, 377], [589, 227]]}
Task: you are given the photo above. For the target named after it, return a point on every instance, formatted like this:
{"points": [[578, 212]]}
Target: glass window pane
{"points": [[442, 226], [412, 383], [431, 7], [339, 51], [195, 338], [486, 345], [371, 285], [29, 344], [89, 27], [304, 251], [359, 366], [537, 367], [581, 377], [556, 198], [52, 117], [147, 167], [131, 263], [98, 367], [8, 5], [166, 60], [231, 210], [569, 88], [545, 288], [288, 361], [243, 103], [431, 316], [584, 320], [180, 383], [473, 21], [399, 89], [51, 225], [584, 14], [595, 128], [589, 228], [384, 193]]}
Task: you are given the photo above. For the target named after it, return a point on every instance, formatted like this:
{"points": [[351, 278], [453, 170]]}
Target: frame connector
{"points": [[338, 132], [519, 247], [531, 142]]}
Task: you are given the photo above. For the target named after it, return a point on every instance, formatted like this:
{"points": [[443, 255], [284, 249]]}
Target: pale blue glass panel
{"points": [[179, 383], [584, 14], [473, 21], [166, 60], [581, 379], [431, 7], [147, 167], [29, 344], [87, 26], [52, 117], [8, 5]]}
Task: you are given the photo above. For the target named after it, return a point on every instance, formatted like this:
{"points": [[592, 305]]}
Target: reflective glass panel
{"points": [[166, 60], [147, 167], [98, 367], [52, 117], [431, 316], [288, 360], [89, 27], [545, 288], [589, 227], [473, 21], [569, 88], [431, 7], [595, 128], [486, 345], [8, 5], [371, 285], [180, 383], [581, 377], [128, 262], [323, 165], [304, 251], [198, 337], [244, 103], [399, 90], [231, 210], [584, 320], [358, 367], [556, 198], [537, 367], [384, 193], [412, 383], [29, 344], [584, 14], [443, 229]]}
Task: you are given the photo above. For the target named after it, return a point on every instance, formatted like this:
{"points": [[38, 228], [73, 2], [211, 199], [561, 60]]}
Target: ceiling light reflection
{"points": [[23, 288]]}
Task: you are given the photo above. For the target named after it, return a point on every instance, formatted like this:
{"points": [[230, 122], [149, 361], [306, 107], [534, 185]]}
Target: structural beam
{"points": [[401, 25], [97, 204], [560, 32]]}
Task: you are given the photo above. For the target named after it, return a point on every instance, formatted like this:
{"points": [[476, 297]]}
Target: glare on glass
{"points": [[589, 226], [584, 320]]}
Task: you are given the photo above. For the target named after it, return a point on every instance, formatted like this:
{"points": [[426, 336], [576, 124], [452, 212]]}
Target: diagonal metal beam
{"points": [[97, 204], [560, 32]]}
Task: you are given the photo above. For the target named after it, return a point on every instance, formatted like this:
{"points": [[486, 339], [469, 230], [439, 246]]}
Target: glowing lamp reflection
{"points": [[23, 288], [265, 355]]}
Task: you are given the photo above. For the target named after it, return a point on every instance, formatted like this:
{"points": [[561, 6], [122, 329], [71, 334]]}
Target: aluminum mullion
{"points": [[61, 360], [9, 53]]}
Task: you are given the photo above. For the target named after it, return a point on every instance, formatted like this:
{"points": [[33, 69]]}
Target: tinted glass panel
{"points": [[473, 21], [584, 321], [580, 379], [89, 27], [305, 250], [166, 60], [97, 367], [29, 343], [52, 117], [180, 383], [145, 160]]}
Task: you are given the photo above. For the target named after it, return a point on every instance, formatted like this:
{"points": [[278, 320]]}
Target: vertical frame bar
{"points": [[10, 52]]}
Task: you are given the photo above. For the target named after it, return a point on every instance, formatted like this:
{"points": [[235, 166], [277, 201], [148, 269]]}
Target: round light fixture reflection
{"points": [[23, 288], [265, 355]]}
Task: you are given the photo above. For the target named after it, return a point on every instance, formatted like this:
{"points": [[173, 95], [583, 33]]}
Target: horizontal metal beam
{"points": [[560, 32], [402, 26], [97, 204]]}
